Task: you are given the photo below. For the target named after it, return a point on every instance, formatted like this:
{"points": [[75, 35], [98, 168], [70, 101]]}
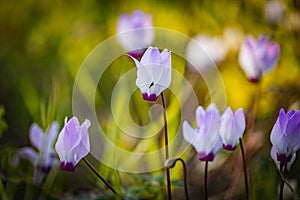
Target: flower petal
{"points": [[166, 58], [36, 135], [26, 153], [189, 134], [68, 139], [293, 131], [84, 145]]}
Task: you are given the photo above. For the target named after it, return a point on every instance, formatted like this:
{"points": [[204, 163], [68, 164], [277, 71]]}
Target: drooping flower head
{"points": [[135, 32], [73, 143], [44, 158], [153, 72], [285, 135], [258, 56], [232, 128], [205, 139]]}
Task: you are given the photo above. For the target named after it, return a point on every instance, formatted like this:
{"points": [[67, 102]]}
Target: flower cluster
{"points": [[72, 145], [43, 159], [214, 131]]}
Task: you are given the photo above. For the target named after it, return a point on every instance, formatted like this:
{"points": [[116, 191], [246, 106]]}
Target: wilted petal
{"points": [[36, 135]]}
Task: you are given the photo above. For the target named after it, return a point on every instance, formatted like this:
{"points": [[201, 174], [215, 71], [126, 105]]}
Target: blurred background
{"points": [[43, 44]]}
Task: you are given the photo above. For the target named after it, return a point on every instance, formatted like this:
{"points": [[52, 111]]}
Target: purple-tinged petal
{"points": [[166, 58], [52, 133], [154, 57], [68, 138], [293, 131], [146, 57], [36, 135], [84, 145], [200, 115], [26, 153], [278, 140]]}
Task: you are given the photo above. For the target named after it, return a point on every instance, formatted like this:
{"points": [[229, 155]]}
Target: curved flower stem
{"points": [[245, 169], [205, 180], [100, 177], [184, 175], [166, 147]]}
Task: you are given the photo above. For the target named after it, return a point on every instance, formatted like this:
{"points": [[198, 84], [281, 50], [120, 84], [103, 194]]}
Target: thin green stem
{"points": [[245, 169], [100, 177], [184, 175], [166, 147], [205, 180]]}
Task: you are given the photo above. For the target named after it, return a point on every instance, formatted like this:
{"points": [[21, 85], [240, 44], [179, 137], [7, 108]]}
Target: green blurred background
{"points": [[43, 44]]}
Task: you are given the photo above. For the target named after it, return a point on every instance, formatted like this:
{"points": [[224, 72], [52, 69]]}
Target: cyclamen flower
{"points": [[205, 139], [273, 154], [232, 128], [135, 32], [258, 57], [203, 51], [73, 143], [285, 135], [153, 72], [43, 159]]}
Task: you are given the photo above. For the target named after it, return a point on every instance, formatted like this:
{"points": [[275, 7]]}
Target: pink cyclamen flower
{"points": [[258, 57], [153, 72], [43, 159], [285, 135], [205, 139], [73, 143], [135, 32], [274, 153], [232, 128]]}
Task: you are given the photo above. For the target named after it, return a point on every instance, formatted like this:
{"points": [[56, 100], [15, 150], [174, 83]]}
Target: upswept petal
{"points": [[36, 135], [84, 145], [240, 121], [26, 153], [189, 134], [227, 127], [200, 115], [154, 57], [52, 133], [270, 56], [146, 60], [247, 61], [165, 58], [282, 120], [293, 131], [68, 138], [278, 140], [161, 75]]}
